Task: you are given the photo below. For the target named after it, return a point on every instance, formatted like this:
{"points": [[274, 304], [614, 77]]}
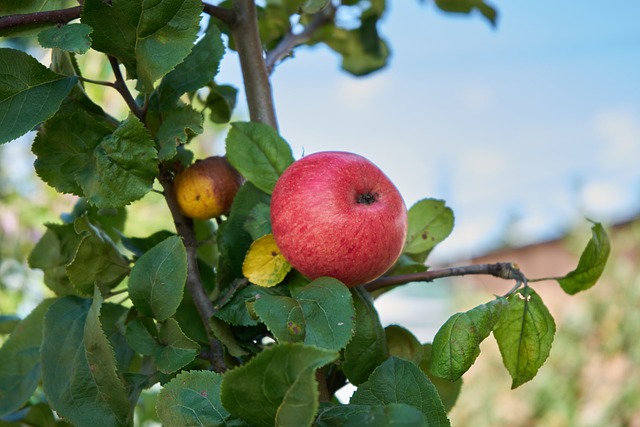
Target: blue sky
{"points": [[535, 124]]}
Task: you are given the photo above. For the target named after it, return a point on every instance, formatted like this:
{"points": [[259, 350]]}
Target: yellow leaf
{"points": [[264, 265]]}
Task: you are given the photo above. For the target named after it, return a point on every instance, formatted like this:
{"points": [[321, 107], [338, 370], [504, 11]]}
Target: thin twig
{"points": [[502, 270], [61, 16], [291, 39]]}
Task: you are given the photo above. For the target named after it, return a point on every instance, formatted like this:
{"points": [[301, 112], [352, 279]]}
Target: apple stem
{"points": [[502, 270]]}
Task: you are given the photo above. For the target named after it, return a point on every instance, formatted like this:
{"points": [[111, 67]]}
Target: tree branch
{"points": [[502, 270], [204, 306], [227, 16], [121, 86], [61, 16], [291, 40], [254, 70]]}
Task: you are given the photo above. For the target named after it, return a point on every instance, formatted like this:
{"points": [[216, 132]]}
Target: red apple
{"points": [[337, 214]]}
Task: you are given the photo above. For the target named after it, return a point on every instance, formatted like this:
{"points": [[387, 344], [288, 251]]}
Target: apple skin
{"points": [[206, 189], [337, 214]]}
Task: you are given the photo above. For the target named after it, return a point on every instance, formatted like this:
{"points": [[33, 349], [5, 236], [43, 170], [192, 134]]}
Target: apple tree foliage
{"points": [[230, 334]]}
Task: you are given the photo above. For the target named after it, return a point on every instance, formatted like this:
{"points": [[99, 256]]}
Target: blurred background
{"points": [[525, 129]]}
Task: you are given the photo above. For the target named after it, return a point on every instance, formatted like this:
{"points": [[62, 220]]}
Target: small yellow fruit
{"points": [[206, 188]]}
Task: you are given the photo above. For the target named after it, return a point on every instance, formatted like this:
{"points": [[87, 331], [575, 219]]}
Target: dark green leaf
{"points": [[78, 154], [362, 50], [258, 153], [591, 264], [193, 399], [149, 38], [140, 245], [30, 93], [177, 127], [113, 317], [71, 37], [258, 221], [221, 101], [321, 314], [429, 223], [158, 277], [97, 261], [223, 333], [368, 348], [233, 239], [78, 379], [400, 381], [393, 414], [457, 344], [524, 334], [110, 221], [292, 396], [169, 346], [403, 344], [53, 252], [448, 390], [196, 71], [235, 311], [8, 322], [20, 360]]}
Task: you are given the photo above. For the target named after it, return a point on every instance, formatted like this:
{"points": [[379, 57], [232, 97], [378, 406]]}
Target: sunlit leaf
{"points": [[264, 265], [591, 264], [524, 334]]}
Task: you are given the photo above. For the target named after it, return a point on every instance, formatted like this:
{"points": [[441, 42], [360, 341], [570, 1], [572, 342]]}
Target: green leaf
{"points": [[20, 360], [177, 127], [102, 363], [449, 391], [469, 6], [393, 414], [196, 71], [314, 6], [368, 347], [149, 38], [30, 93], [170, 347], [78, 154], [235, 311], [403, 344], [78, 373], [53, 252], [157, 279], [591, 264], [524, 334], [122, 167], [8, 323], [97, 261], [233, 240], [258, 153], [71, 38], [321, 313], [221, 101], [193, 399], [457, 344], [292, 396], [258, 222], [400, 381], [429, 223]]}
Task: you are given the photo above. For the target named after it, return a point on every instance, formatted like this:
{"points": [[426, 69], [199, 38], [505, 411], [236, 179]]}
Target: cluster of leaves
{"points": [[289, 345]]}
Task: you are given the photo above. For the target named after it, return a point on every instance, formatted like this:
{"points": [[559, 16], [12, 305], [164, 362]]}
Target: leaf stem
{"points": [[252, 62], [184, 227], [502, 270]]}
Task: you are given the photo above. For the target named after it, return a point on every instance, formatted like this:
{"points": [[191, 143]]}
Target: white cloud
{"points": [[619, 131]]}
